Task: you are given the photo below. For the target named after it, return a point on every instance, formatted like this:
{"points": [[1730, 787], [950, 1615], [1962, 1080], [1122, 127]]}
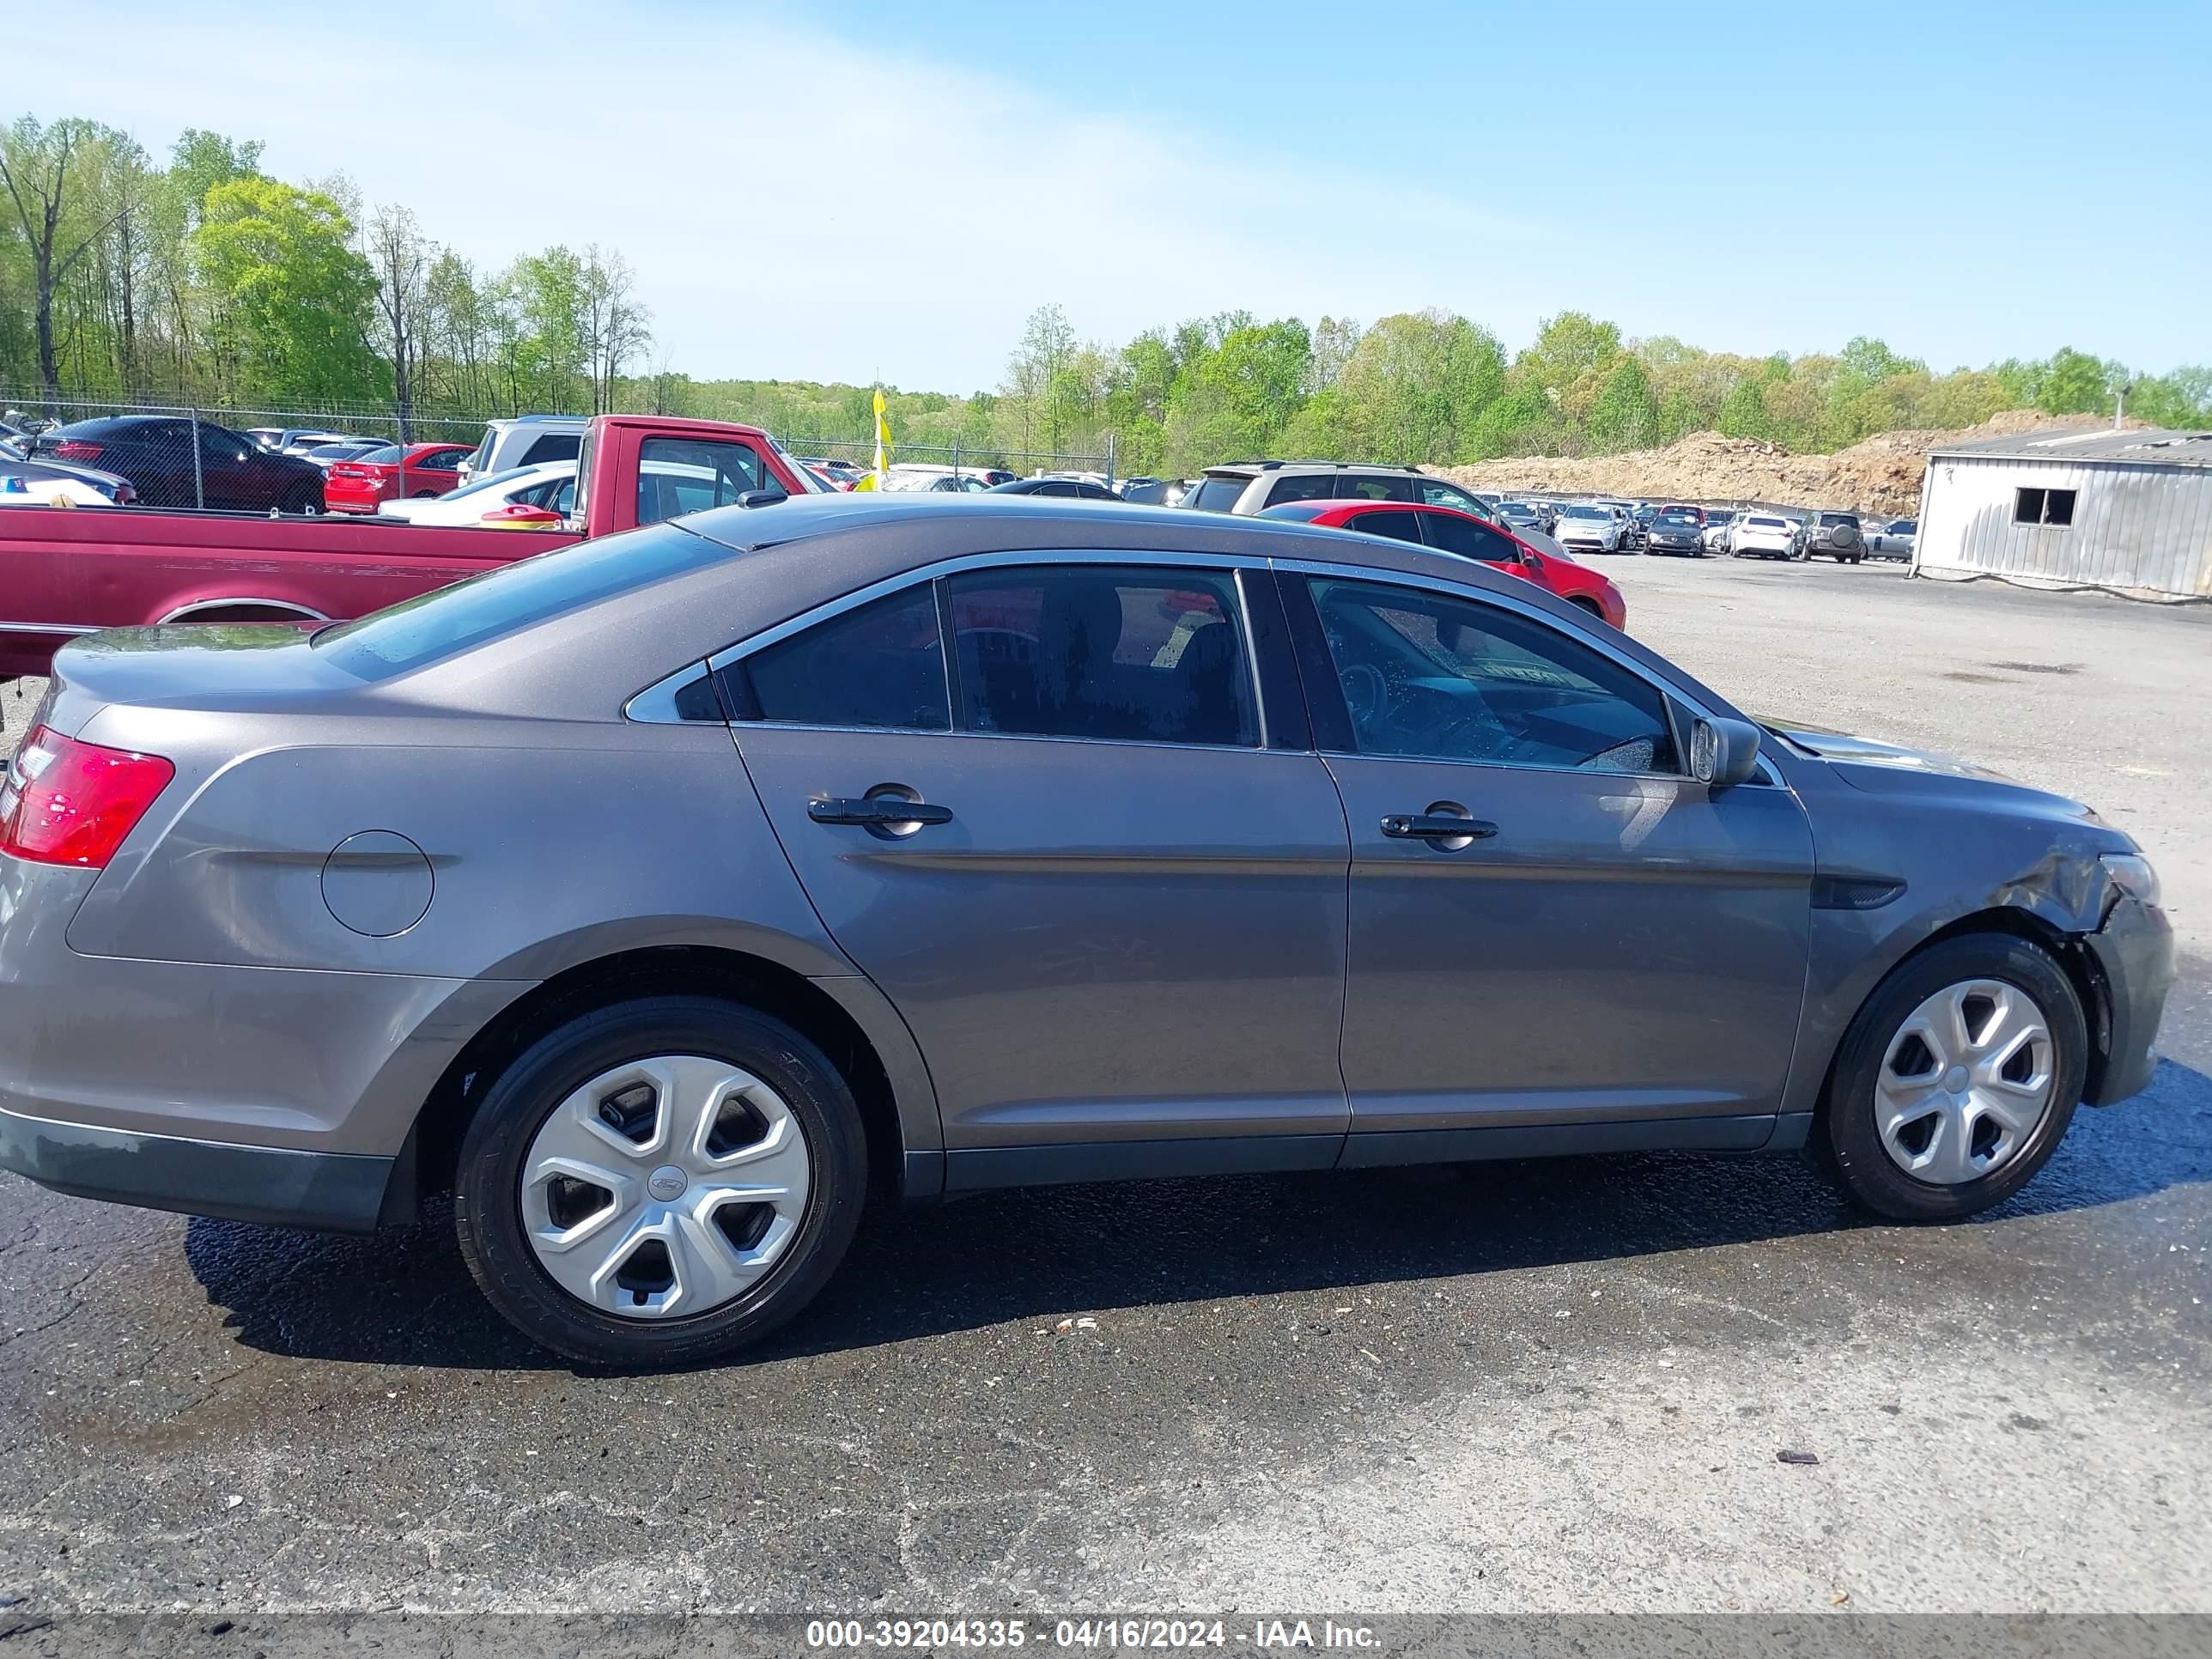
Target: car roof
{"points": [[1253, 469], [790, 557]]}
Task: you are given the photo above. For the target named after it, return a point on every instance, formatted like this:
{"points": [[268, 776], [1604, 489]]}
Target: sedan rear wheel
{"points": [[660, 1183], [1957, 1080]]}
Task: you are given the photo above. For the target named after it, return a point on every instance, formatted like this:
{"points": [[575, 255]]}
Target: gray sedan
{"points": [[666, 896]]}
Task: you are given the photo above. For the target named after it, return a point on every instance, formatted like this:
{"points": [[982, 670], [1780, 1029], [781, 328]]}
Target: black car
{"points": [[156, 453], [1676, 530], [16, 464], [1081, 490]]}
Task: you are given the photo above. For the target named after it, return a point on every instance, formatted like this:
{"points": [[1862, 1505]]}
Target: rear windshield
{"points": [[448, 620], [1217, 495], [553, 446], [384, 457]]}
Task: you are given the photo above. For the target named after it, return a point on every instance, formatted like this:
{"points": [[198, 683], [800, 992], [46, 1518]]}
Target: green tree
{"points": [[1625, 416], [297, 298], [2072, 383], [1744, 413], [1416, 384], [46, 172], [1233, 401]]}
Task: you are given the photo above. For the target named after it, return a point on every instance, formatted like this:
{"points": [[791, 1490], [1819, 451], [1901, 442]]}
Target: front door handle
{"points": [[1436, 826], [877, 811]]}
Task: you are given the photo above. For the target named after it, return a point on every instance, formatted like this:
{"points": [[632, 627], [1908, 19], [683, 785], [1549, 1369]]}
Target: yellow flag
{"points": [[883, 439]]}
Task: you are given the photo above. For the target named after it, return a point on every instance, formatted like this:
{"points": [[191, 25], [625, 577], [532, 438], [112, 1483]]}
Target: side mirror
{"points": [[762, 497], [1724, 752]]}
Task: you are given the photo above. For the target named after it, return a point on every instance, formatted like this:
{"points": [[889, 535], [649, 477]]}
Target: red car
{"points": [[1447, 530], [390, 473]]}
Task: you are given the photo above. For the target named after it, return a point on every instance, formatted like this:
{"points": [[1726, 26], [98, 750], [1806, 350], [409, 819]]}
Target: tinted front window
{"points": [[1398, 526], [1469, 540], [676, 476], [1116, 655], [1216, 495], [1434, 677], [1437, 493], [880, 665], [447, 620]]}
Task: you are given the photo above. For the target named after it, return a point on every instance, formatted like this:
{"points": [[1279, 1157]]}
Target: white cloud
{"points": [[796, 205]]}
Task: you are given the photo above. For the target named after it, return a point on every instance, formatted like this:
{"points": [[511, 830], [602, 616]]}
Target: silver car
{"points": [[663, 897], [1593, 528]]}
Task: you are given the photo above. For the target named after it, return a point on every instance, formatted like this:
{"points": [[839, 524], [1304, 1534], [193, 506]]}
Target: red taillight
{"points": [[66, 802], [75, 449]]}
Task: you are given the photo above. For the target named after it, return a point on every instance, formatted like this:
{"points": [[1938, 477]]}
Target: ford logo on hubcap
{"points": [[666, 1183]]}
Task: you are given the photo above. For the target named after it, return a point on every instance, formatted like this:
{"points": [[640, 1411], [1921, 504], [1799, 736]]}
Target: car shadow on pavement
{"points": [[404, 1297]]}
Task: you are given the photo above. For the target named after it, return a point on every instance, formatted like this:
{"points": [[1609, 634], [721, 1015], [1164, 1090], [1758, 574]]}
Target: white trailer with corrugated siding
{"points": [[2125, 511]]}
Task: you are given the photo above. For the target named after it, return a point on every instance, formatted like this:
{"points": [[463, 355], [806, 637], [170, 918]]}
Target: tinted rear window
{"points": [[1216, 495], [553, 446], [447, 620]]}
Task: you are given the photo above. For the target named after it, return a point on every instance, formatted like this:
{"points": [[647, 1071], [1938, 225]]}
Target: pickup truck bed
{"points": [[64, 572], [69, 571]]}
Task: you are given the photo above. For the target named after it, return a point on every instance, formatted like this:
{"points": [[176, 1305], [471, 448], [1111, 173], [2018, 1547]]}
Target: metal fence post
{"points": [[1113, 456], [956, 458], [199, 482]]}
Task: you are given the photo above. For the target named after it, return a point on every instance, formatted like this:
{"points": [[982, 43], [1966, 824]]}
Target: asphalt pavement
{"points": [[1558, 1386]]}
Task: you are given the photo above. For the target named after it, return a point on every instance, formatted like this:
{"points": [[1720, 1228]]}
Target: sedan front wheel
{"points": [[1957, 1080]]}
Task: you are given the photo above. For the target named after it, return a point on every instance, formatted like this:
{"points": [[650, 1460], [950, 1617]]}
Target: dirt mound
{"points": [[1880, 476]]}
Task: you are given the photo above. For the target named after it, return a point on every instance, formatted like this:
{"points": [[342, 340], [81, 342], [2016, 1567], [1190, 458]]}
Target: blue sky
{"points": [[880, 190]]}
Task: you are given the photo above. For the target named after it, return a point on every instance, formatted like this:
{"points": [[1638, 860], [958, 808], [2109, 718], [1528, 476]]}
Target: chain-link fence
{"points": [[251, 461], [288, 460], [912, 462]]}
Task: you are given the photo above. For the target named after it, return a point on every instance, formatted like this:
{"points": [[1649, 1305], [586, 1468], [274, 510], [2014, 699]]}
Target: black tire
{"points": [[1590, 605], [487, 1200], [1847, 1136]]}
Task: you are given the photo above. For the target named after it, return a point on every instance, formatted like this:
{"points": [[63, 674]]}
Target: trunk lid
{"points": [[220, 666]]}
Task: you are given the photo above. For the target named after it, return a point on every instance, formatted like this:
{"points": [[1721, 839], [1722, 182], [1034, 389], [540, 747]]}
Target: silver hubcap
{"points": [[663, 1189], [1967, 1078]]}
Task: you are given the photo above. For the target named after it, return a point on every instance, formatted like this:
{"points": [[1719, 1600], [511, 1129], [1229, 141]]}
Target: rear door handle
{"points": [[877, 811], [1436, 826]]}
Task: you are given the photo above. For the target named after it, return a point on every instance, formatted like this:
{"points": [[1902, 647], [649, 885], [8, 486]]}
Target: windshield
{"points": [[493, 480], [809, 483], [447, 620], [1217, 495], [386, 456], [1586, 512], [1679, 518]]}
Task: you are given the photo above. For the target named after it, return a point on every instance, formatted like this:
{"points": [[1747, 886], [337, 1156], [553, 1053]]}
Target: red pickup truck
{"points": [[65, 571]]}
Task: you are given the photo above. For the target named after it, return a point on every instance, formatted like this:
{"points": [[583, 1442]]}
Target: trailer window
{"points": [[2043, 507]]}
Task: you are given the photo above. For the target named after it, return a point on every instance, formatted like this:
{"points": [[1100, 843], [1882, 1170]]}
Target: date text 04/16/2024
{"points": [[1097, 1633]]}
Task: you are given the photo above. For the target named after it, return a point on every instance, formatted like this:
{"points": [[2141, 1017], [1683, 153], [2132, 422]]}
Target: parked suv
{"points": [[1252, 487], [1835, 536], [526, 440]]}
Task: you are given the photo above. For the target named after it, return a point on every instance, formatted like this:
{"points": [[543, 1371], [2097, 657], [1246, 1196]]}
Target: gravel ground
{"points": [[1560, 1386]]}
